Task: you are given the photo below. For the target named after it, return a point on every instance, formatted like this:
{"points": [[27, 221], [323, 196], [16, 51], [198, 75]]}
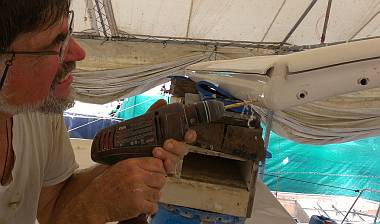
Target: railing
{"points": [[356, 200]]}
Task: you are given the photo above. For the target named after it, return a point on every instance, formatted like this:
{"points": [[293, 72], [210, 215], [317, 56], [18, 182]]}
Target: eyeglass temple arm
{"points": [[8, 64], [36, 53]]}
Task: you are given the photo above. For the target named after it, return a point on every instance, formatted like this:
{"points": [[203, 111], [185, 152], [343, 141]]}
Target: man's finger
{"points": [[169, 166], [151, 164], [155, 180], [169, 159], [150, 208], [152, 195], [190, 136], [175, 147], [163, 154]]}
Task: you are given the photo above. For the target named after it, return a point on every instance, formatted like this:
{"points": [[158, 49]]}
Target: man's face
{"points": [[40, 82]]}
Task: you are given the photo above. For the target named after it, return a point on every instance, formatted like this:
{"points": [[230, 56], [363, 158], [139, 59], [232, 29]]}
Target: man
{"points": [[37, 163]]}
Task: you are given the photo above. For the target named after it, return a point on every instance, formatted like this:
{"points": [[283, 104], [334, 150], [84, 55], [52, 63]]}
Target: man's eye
{"points": [[56, 42], [59, 39]]}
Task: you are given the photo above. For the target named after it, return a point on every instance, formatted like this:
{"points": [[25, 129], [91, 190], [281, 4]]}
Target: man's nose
{"points": [[74, 52]]}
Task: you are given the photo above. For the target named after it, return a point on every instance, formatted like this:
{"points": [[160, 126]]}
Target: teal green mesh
{"points": [[137, 105], [352, 165]]}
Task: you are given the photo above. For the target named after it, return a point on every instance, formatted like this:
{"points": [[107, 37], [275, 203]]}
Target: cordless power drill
{"points": [[137, 137]]}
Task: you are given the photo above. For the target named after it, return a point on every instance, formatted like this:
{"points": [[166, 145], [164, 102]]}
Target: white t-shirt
{"points": [[43, 157]]}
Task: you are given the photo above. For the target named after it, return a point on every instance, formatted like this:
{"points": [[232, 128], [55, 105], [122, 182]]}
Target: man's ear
{"points": [[159, 103]]}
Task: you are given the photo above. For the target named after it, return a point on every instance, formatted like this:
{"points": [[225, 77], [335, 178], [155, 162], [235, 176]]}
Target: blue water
{"points": [[351, 165]]}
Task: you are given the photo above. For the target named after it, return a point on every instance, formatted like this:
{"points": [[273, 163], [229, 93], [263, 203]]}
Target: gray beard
{"points": [[51, 104], [57, 105]]}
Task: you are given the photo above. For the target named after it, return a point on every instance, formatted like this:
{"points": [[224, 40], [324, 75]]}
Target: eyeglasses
{"points": [[60, 53]]}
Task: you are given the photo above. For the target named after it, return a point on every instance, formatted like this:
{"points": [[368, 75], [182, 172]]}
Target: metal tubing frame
{"points": [[352, 206], [101, 18], [180, 40], [189, 21], [268, 128], [356, 200], [377, 214], [327, 17], [108, 9], [274, 19], [203, 42], [311, 5], [362, 27], [91, 12]]}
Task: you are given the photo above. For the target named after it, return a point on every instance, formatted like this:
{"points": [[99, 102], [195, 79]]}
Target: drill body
{"points": [[137, 137]]}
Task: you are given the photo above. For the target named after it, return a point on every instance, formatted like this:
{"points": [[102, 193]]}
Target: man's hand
{"points": [[130, 188], [122, 191], [173, 151]]}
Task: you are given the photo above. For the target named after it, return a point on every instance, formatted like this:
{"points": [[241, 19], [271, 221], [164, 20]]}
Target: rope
{"points": [[137, 105], [309, 182], [327, 174], [81, 126], [102, 118], [235, 105]]}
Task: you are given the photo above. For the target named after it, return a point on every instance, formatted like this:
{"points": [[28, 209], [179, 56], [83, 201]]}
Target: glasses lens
{"points": [[67, 39]]}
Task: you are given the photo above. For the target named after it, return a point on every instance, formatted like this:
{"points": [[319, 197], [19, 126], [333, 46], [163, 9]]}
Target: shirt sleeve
{"points": [[61, 162]]}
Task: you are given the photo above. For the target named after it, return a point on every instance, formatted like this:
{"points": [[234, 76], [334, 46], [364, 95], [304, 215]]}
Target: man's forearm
{"points": [[76, 200]]}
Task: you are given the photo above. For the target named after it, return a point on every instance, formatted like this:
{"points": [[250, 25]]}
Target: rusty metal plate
{"points": [[244, 142], [210, 136]]}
